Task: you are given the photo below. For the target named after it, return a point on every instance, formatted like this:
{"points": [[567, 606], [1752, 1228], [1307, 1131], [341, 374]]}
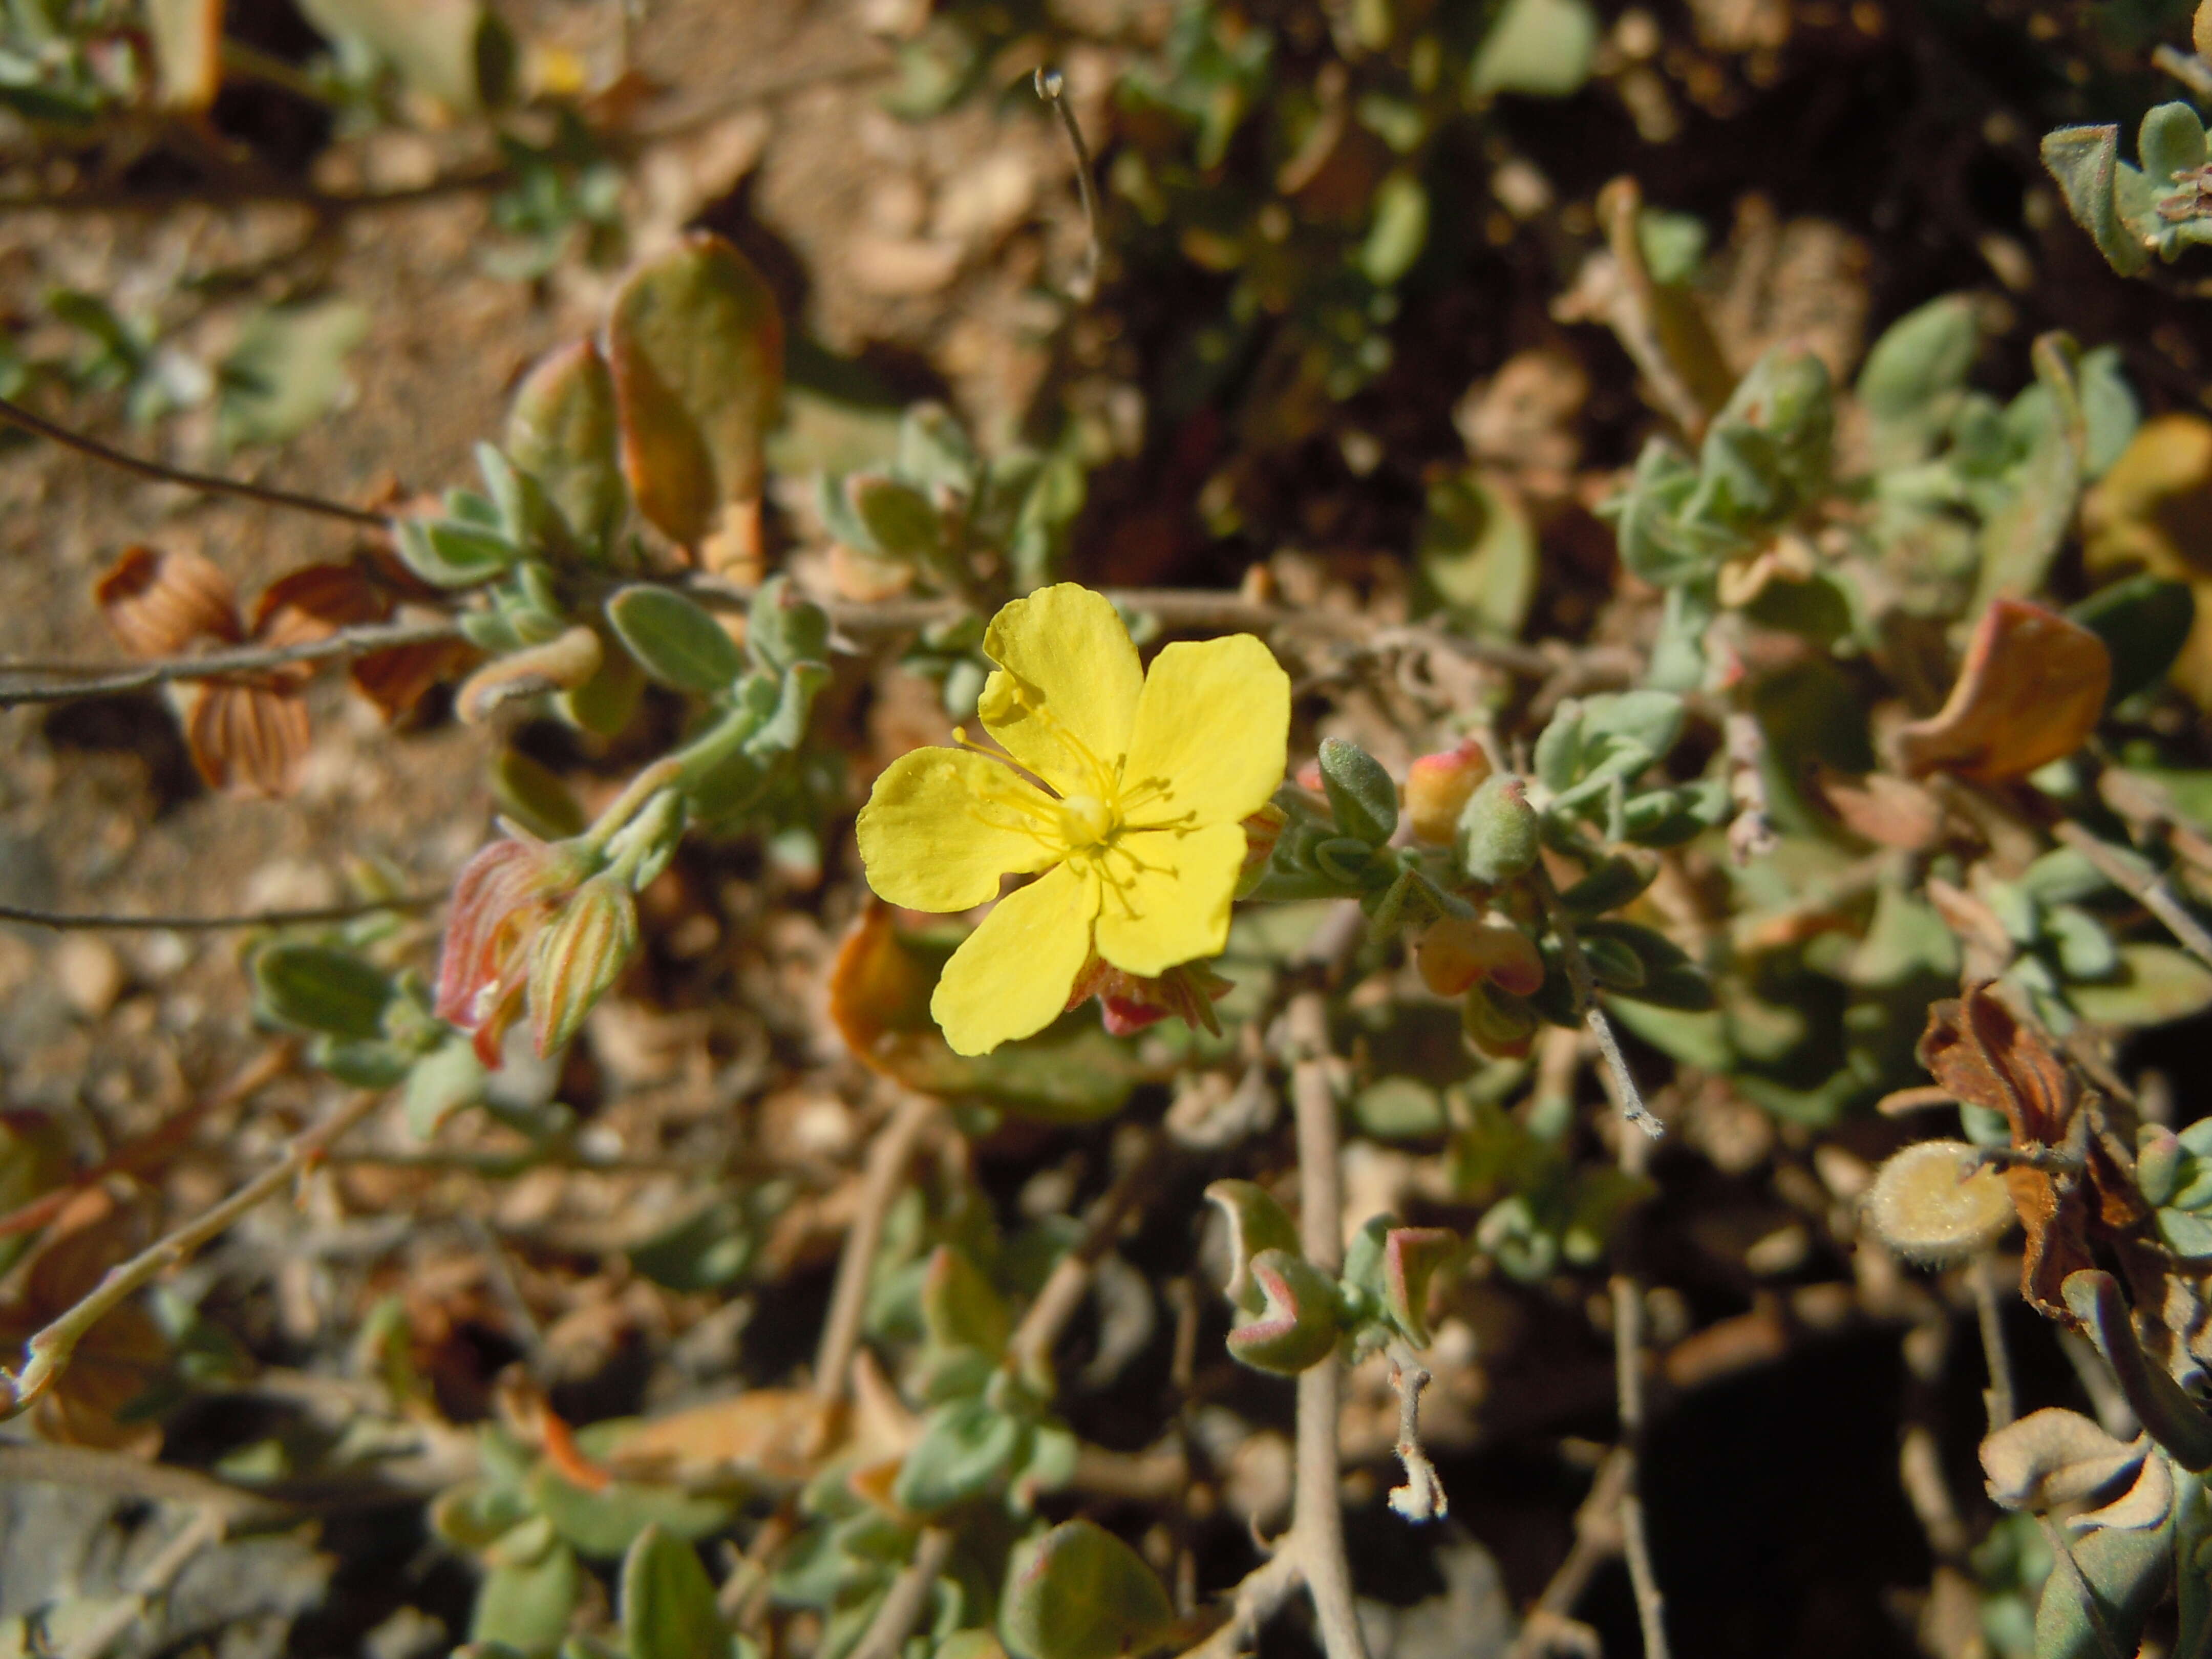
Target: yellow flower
{"points": [[1133, 826]]}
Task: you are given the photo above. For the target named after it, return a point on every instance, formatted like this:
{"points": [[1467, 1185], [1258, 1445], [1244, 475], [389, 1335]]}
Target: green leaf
{"points": [[784, 629], [2144, 621], [606, 1524], [442, 1083], [2169, 142], [1540, 47], [1399, 231], [2126, 1569], [696, 347], [2085, 162], [1360, 792], [1257, 1221], [1477, 555], [900, 521], [437, 47], [448, 554], [286, 372], [1078, 1592], [668, 1609], [1910, 386], [561, 429], [965, 1446], [705, 1251], [532, 793], [313, 987], [675, 639], [2158, 985], [959, 1308], [526, 1606]]}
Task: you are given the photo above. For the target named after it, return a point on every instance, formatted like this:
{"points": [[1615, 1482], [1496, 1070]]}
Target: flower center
{"points": [[1086, 821]]}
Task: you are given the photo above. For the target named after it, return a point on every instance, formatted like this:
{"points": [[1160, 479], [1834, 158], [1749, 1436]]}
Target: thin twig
{"points": [[1422, 1497], [48, 1352], [1597, 1541], [2000, 1398], [1029, 1350], [2145, 884], [65, 920], [1631, 1101], [1052, 86], [144, 1152], [888, 1159], [103, 681], [2186, 67], [84, 1468], [152, 1582], [903, 1601], [1258, 1596], [1634, 1543], [1316, 1507], [14, 414]]}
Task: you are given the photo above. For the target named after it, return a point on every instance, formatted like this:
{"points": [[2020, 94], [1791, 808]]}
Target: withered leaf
{"points": [[159, 603], [1983, 1055], [248, 737], [2054, 1456], [2030, 691], [1884, 809]]}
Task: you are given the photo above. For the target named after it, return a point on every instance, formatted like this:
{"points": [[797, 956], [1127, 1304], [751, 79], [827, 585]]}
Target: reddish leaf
{"points": [[1884, 810], [2030, 691]]}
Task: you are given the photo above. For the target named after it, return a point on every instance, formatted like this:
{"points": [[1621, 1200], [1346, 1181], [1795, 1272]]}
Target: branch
{"points": [[888, 1159], [67, 918], [1029, 1350], [1628, 1384], [151, 1583], [14, 414], [1626, 1094], [1051, 85], [2145, 884], [109, 680], [1316, 1507], [1422, 1497], [47, 1354], [903, 1601], [1597, 1541]]}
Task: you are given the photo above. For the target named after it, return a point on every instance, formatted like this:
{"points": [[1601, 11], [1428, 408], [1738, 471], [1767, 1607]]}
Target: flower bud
{"points": [[501, 900], [1298, 1324], [1934, 1203], [1497, 837], [579, 956], [1262, 830], [1437, 790], [1454, 953], [1500, 1023]]}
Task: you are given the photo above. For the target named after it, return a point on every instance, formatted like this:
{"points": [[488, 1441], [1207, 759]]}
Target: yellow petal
{"points": [[1011, 976], [1065, 692], [1211, 734], [942, 825], [1167, 897]]}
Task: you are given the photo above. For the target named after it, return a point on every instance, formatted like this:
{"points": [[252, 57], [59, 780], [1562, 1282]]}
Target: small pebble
{"points": [[89, 972]]}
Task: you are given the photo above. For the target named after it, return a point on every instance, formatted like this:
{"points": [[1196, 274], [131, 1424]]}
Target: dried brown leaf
{"points": [[2031, 690], [248, 739], [159, 603]]}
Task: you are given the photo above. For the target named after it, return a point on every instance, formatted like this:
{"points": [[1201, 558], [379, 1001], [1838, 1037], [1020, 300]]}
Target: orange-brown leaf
{"points": [[1884, 810], [2031, 690], [397, 679], [158, 604], [249, 739]]}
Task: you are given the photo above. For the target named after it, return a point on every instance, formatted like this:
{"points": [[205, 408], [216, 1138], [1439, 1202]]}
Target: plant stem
{"points": [[1626, 1094], [1316, 1512], [1052, 86], [2139, 882], [887, 1157], [1029, 1350], [61, 920], [48, 1352], [903, 1602], [14, 414], [106, 682], [2000, 1397], [1628, 1386]]}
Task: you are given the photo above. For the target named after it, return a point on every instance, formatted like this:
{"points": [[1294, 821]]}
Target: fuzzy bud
{"points": [[578, 955], [1934, 1204], [1454, 954], [1298, 1325], [1497, 829], [1262, 829], [1437, 788]]}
